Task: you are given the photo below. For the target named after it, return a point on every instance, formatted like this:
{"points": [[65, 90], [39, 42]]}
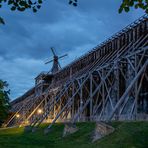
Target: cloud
{"points": [[26, 38], [20, 73]]}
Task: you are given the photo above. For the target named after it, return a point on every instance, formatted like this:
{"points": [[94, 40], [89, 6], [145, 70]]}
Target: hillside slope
{"points": [[126, 135]]}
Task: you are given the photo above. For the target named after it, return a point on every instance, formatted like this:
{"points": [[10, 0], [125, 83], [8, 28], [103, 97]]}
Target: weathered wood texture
{"points": [[108, 83]]}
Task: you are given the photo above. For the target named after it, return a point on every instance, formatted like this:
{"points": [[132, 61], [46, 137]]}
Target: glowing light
{"points": [[39, 111], [17, 116]]}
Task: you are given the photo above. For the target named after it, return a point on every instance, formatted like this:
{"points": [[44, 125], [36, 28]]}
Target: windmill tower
{"points": [[56, 65]]}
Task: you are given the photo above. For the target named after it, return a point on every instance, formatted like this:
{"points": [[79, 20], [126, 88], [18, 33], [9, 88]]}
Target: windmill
{"points": [[56, 65]]}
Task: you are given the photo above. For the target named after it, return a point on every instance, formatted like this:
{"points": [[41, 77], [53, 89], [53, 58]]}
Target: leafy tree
{"points": [[34, 5], [4, 101], [127, 4]]}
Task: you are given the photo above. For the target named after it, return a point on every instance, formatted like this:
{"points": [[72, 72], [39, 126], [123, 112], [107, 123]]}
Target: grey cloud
{"points": [[20, 73], [26, 38]]}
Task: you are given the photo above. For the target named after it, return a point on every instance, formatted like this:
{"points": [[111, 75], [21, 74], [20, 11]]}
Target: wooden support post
{"points": [[128, 89], [117, 88], [54, 108], [73, 104], [136, 87], [103, 95], [91, 101], [81, 101]]}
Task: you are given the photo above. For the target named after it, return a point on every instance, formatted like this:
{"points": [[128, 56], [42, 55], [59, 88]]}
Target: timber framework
{"points": [[108, 83]]}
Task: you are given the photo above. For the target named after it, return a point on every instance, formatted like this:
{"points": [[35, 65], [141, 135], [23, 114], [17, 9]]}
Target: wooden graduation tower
{"points": [[108, 83]]}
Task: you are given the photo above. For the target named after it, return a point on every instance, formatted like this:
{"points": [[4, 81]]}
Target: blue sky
{"points": [[26, 38]]}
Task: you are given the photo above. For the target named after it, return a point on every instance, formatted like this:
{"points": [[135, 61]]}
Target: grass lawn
{"points": [[126, 135]]}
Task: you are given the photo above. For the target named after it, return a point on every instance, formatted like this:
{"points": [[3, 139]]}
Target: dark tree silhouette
{"points": [[4, 101]]}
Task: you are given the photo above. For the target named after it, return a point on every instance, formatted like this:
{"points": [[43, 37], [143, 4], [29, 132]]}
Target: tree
{"points": [[4, 101], [125, 5], [34, 5]]}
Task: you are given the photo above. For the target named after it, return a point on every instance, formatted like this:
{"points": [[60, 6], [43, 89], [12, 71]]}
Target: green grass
{"points": [[126, 135]]}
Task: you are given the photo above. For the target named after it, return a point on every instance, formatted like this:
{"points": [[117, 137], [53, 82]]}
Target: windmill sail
{"points": [[56, 65]]}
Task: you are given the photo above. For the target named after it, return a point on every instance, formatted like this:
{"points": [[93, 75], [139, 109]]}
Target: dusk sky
{"points": [[26, 38]]}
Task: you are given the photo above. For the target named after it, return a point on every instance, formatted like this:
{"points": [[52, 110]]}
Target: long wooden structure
{"points": [[108, 83]]}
